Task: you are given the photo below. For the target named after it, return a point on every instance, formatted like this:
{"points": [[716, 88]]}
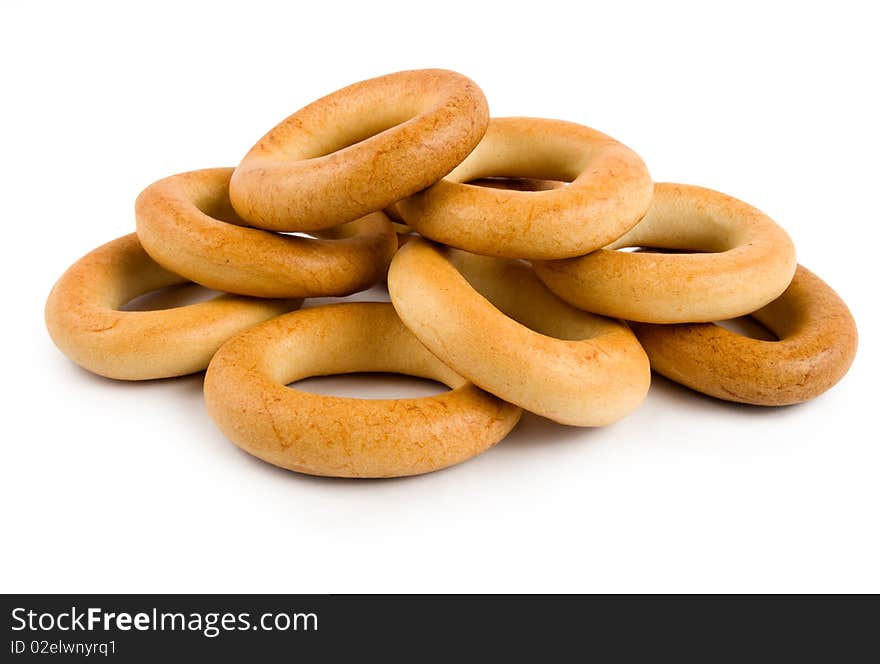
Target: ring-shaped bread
{"points": [[84, 320], [747, 260], [609, 191], [359, 150], [817, 342], [186, 223], [494, 322], [246, 395]]}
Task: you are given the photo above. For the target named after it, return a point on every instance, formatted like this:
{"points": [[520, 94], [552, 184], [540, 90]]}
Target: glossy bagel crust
{"points": [[817, 343], [609, 192], [360, 149], [186, 223], [84, 321], [246, 395], [752, 262], [494, 322]]}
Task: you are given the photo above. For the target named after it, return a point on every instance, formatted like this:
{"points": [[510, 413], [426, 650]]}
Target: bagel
{"points": [[609, 192], [817, 343], [186, 223], [341, 437], [359, 150], [749, 261], [84, 321], [495, 323]]}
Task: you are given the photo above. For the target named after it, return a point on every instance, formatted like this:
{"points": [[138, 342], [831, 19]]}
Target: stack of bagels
{"points": [[502, 241]]}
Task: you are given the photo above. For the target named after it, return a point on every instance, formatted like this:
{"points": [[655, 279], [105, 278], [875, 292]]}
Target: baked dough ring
{"points": [[340, 437], [557, 361], [753, 262], [359, 150], [609, 193], [84, 321], [817, 343], [186, 223]]}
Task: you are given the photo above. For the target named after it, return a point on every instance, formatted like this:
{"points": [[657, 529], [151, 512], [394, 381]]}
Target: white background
{"points": [[120, 487]]}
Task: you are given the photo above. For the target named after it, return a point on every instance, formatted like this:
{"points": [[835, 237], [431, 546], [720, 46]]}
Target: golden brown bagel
{"points": [[360, 149], [609, 192], [325, 435], [495, 323], [84, 321], [752, 261], [817, 343], [186, 223]]}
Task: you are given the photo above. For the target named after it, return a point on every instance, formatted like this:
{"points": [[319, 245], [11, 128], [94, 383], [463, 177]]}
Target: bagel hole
{"points": [[220, 208], [748, 326], [348, 141], [371, 386], [658, 250], [373, 121], [170, 297], [517, 184], [296, 234], [340, 232]]}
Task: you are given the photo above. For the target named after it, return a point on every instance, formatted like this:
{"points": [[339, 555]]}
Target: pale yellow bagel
{"points": [[495, 323], [186, 223], [359, 149], [752, 262], [817, 342], [609, 192], [341, 437], [84, 321]]}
